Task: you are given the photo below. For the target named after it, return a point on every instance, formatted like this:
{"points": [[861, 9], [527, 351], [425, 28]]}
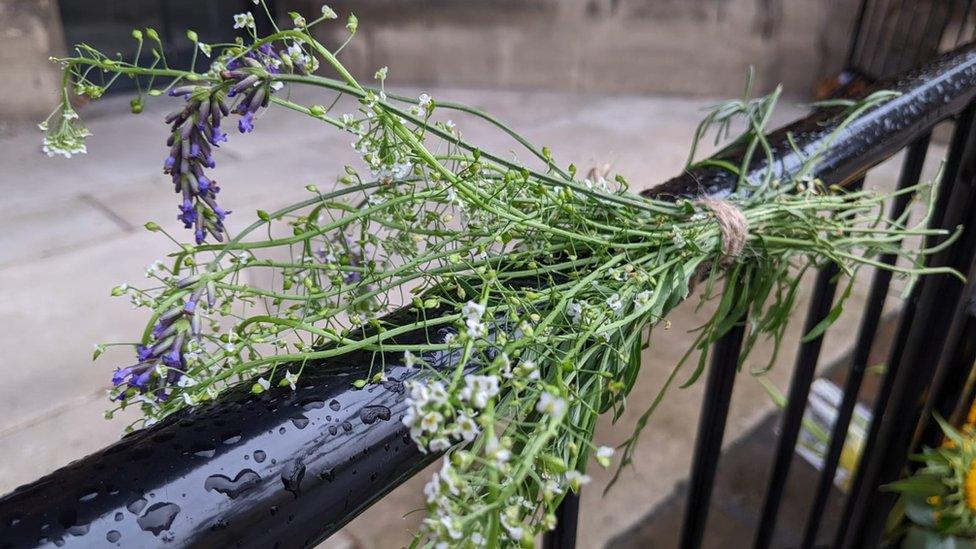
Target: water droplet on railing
{"points": [[89, 496], [312, 405], [232, 439], [119, 517], [334, 405], [346, 426], [281, 431], [291, 476], [79, 529], [137, 505], [301, 422], [259, 456], [159, 517], [369, 414], [113, 536], [244, 481]]}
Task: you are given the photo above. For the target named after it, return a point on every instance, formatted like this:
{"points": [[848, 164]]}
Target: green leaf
{"points": [[831, 317]]}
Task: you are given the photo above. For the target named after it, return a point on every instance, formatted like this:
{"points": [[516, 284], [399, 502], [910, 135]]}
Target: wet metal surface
{"points": [[929, 95]]}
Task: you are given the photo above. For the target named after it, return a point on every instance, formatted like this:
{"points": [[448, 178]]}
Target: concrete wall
{"points": [[30, 32], [697, 47], [700, 47]]}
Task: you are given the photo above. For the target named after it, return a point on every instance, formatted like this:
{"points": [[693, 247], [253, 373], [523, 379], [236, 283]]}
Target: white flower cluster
{"points": [[244, 20], [474, 327], [437, 419], [68, 140]]}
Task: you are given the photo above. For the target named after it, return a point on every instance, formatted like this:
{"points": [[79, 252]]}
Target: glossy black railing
{"points": [[287, 469]]}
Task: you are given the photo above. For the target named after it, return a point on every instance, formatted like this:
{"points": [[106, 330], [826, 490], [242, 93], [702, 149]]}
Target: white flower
{"points": [[439, 444], [433, 488], [574, 310], [205, 48], [678, 237], [478, 389], [450, 125], [409, 360], [576, 479], [615, 303], [291, 378], [438, 393], [497, 453], [643, 298], [476, 328], [328, 12], [451, 526], [514, 530], [277, 85], [527, 369], [473, 310], [551, 404], [431, 422], [506, 366], [264, 383], [477, 539], [425, 101], [466, 428], [243, 20], [65, 144], [603, 455], [419, 395]]}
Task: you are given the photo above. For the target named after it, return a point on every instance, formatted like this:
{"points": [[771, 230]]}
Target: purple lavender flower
{"points": [[195, 131]]}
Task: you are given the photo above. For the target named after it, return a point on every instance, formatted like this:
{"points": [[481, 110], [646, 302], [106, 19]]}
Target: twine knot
{"points": [[731, 222]]}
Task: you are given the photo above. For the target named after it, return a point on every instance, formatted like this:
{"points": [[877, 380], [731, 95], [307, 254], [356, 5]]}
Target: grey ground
{"points": [[71, 230]]}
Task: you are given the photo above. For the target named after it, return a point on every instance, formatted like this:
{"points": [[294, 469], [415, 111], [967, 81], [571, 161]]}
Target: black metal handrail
{"points": [[287, 469]]}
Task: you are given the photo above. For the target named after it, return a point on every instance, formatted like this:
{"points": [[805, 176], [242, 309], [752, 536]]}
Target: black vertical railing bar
{"points": [[911, 171], [951, 377], [961, 134], [896, 58], [711, 431], [870, 36], [563, 536], [966, 13], [821, 302], [927, 41], [886, 39], [856, 44], [915, 366]]}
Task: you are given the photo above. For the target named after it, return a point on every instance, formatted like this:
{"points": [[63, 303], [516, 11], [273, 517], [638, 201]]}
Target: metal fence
{"points": [[287, 469]]}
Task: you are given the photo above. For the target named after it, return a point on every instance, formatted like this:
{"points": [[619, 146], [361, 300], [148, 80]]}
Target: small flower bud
{"points": [[151, 226], [353, 23], [137, 34], [152, 34], [192, 35], [359, 383], [135, 106], [311, 188]]}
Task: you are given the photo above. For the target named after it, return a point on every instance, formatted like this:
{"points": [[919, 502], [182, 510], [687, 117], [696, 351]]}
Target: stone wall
{"points": [[700, 47], [30, 32]]}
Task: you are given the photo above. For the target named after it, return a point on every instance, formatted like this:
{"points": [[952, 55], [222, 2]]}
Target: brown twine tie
{"points": [[731, 222]]}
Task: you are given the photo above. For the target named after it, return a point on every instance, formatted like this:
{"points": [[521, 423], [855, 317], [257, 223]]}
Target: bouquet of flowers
{"points": [[541, 282]]}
